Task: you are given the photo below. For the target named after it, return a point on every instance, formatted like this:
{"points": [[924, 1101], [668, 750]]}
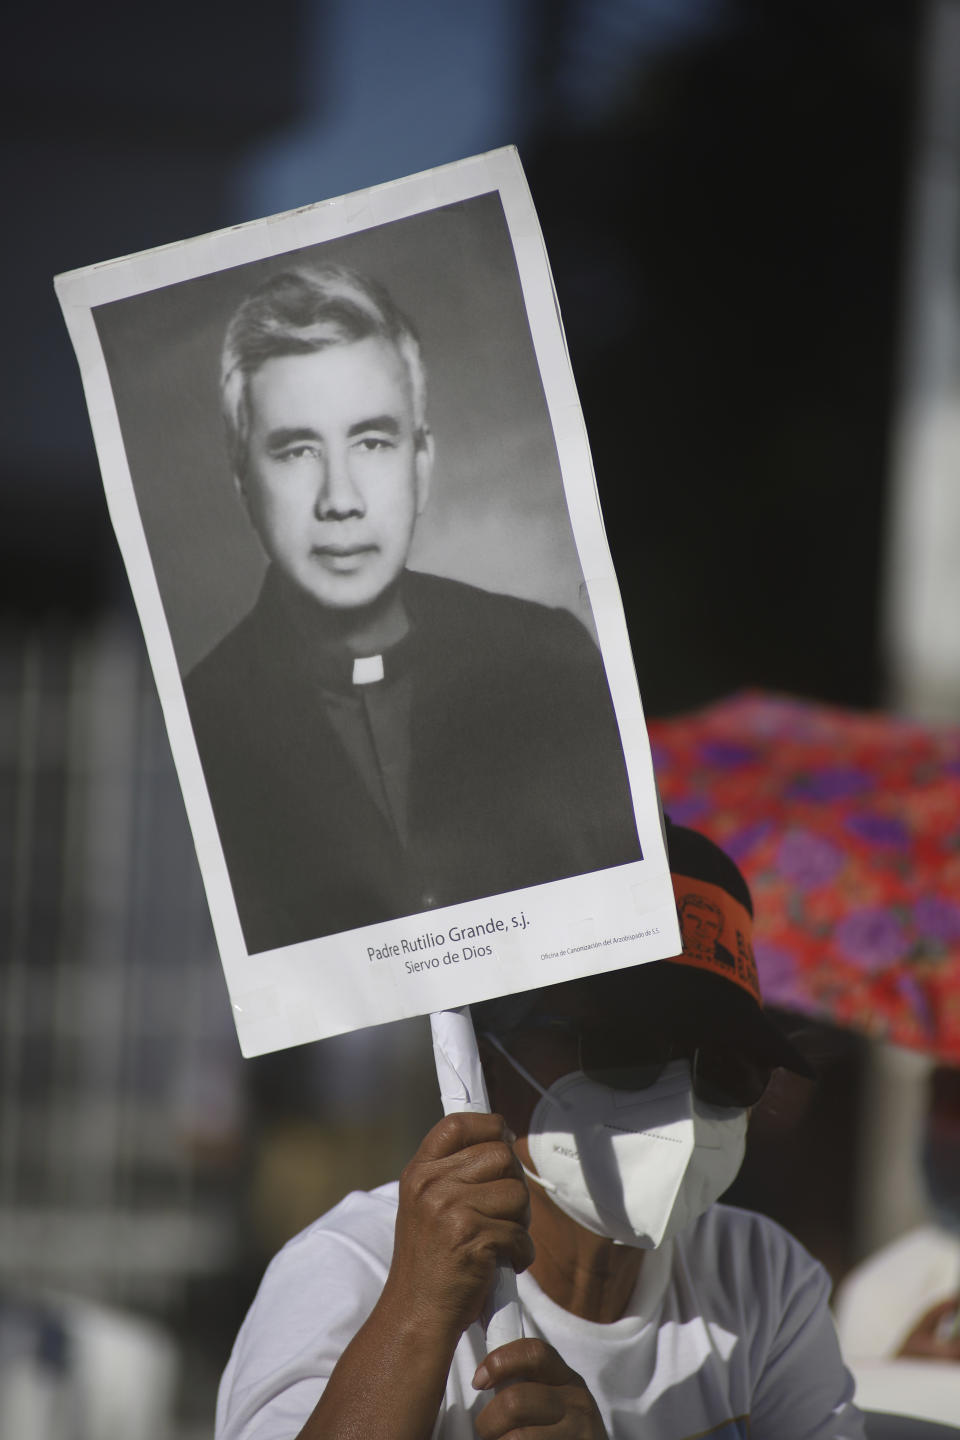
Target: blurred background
{"points": [[752, 216]]}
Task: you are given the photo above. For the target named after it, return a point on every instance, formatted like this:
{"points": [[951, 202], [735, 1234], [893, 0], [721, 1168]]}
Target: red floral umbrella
{"points": [[847, 827]]}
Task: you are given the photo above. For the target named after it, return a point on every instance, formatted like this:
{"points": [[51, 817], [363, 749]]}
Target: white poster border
{"points": [[574, 926]]}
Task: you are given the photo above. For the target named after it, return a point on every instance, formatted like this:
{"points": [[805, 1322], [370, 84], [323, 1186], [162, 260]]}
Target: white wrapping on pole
{"points": [[462, 1087]]}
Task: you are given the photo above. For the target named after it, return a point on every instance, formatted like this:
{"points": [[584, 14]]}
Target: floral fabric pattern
{"points": [[847, 828]]}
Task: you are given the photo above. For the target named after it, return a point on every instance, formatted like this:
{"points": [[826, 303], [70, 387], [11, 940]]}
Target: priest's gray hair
{"points": [[298, 311]]}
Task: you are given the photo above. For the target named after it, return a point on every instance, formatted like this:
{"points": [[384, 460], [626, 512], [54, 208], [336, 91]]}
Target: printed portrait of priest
{"points": [[376, 741]]}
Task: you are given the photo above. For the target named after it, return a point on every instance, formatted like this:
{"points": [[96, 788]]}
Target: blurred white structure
{"points": [[922, 638], [71, 1370], [114, 1079], [891, 1197], [121, 1106], [922, 600], [922, 591]]}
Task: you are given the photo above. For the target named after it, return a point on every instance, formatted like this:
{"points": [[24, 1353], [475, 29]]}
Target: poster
{"points": [[347, 468]]}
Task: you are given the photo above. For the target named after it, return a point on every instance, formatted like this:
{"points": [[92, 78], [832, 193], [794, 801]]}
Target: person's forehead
{"points": [[639, 993], [342, 367]]}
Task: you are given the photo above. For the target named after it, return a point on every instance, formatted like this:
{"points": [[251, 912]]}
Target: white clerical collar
{"points": [[367, 669]]}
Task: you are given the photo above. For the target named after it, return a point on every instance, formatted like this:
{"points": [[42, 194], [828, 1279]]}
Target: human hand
{"points": [[936, 1336], [464, 1210], [542, 1392]]}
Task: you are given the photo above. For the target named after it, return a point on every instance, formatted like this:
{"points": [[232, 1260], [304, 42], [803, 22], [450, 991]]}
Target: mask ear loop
{"points": [[520, 1069], [525, 1073]]}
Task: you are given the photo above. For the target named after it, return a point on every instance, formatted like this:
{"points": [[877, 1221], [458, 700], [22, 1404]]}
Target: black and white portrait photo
{"points": [[379, 739], [347, 467]]}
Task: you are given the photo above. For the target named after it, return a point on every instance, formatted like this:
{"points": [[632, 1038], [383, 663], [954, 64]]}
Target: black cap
{"points": [[710, 991]]}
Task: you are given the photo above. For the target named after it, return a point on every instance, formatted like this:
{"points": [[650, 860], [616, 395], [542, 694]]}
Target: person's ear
{"points": [[423, 465]]}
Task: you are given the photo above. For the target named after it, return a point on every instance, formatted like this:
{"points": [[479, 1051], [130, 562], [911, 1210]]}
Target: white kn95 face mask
{"points": [[636, 1166]]}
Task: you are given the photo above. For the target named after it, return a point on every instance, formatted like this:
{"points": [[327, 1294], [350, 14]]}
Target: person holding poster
{"points": [[651, 1312], [377, 741]]}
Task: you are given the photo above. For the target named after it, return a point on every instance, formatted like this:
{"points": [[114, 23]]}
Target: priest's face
{"points": [[337, 469]]}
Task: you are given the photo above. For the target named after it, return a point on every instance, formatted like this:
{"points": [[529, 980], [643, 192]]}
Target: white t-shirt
{"points": [[727, 1335], [886, 1295], [878, 1305]]}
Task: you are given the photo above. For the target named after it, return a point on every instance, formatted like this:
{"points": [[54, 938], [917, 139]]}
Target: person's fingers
{"points": [[458, 1131], [537, 1395], [501, 1199], [488, 1160], [464, 1210], [527, 1359], [936, 1335], [513, 1245], [487, 1178], [523, 1405], [484, 1191], [480, 1247]]}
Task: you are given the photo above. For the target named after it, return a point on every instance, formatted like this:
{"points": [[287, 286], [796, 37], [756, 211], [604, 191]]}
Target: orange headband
{"points": [[717, 933]]}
